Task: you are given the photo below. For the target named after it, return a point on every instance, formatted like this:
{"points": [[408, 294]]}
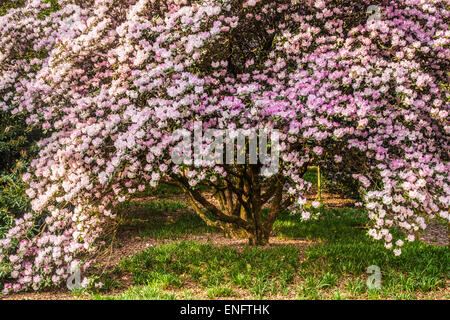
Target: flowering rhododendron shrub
{"points": [[362, 95]]}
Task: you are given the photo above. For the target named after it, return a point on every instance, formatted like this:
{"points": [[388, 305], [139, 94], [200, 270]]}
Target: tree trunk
{"points": [[239, 200], [260, 238]]}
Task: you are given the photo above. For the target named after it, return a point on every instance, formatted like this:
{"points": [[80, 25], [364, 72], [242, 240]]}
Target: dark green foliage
{"points": [[17, 148], [13, 200], [344, 185], [5, 5], [16, 141]]}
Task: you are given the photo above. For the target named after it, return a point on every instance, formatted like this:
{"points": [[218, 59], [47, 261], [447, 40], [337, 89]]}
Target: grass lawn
{"points": [[326, 258]]}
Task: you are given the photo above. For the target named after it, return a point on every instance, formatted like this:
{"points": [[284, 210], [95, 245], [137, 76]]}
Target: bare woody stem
{"points": [[240, 197]]}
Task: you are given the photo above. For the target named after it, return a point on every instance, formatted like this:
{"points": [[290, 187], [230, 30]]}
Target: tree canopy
{"points": [[363, 94]]}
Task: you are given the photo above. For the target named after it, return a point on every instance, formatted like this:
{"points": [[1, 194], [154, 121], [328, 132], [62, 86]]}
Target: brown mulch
{"points": [[435, 234]]}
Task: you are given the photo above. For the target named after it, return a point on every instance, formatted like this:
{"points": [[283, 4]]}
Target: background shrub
{"points": [[17, 146]]}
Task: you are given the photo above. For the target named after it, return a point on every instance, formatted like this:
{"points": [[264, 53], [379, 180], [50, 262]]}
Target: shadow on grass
{"points": [[219, 270], [335, 268], [347, 251], [166, 219]]}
